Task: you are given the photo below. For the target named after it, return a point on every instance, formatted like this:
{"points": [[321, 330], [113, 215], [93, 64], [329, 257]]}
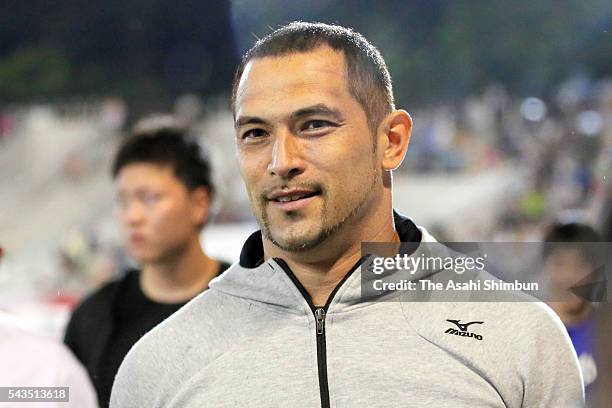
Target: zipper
{"points": [[322, 356], [319, 315]]}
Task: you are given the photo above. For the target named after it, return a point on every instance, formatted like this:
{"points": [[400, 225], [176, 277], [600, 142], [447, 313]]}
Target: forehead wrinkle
{"points": [[276, 72]]}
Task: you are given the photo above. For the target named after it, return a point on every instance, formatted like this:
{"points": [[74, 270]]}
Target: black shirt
{"points": [[131, 316], [135, 315]]}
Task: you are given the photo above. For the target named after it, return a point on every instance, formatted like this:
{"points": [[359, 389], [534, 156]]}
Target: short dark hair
{"points": [[575, 235], [369, 81], [163, 140]]}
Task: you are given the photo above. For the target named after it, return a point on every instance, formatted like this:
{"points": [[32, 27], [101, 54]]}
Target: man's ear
{"points": [[394, 135], [200, 200]]}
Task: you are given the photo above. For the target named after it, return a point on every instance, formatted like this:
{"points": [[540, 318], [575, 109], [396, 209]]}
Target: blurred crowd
{"points": [[559, 147], [60, 239], [57, 192]]}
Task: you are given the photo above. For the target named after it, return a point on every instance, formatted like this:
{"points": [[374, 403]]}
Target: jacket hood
{"points": [[270, 282]]}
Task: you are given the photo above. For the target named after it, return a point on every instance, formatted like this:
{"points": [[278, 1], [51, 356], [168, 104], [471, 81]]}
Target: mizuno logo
{"points": [[463, 327]]}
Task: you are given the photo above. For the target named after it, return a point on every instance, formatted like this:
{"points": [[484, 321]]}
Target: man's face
{"points": [[158, 214], [566, 266], [304, 148]]}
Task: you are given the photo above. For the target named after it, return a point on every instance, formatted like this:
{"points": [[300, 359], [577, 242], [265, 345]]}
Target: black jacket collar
{"points": [[252, 253]]}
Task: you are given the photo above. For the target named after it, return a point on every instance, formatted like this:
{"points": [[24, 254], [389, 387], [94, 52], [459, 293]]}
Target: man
{"points": [[164, 191], [571, 256], [317, 139]]}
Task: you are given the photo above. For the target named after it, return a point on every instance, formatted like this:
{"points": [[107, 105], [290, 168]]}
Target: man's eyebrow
{"points": [[318, 109], [249, 120]]}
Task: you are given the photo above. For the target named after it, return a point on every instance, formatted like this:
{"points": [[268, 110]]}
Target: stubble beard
{"points": [[328, 227]]}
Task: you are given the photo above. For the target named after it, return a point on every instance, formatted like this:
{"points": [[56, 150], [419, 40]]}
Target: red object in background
{"points": [[62, 300], [6, 125]]}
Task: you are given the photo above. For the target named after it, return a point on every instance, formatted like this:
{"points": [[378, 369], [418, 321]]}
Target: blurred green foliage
{"points": [[40, 72], [447, 49], [151, 50], [147, 51]]}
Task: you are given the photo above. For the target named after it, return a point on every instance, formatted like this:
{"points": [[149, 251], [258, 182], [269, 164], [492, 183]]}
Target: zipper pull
{"points": [[320, 318]]}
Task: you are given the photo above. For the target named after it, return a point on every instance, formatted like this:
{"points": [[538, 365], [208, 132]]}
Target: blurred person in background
{"points": [[572, 255], [164, 192], [31, 360], [317, 139], [602, 389], [28, 359]]}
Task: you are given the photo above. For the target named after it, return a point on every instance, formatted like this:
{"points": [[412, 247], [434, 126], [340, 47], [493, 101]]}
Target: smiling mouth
{"points": [[287, 198], [136, 238], [292, 200]]}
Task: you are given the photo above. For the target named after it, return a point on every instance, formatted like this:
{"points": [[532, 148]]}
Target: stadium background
{"points": [[512, 103]]}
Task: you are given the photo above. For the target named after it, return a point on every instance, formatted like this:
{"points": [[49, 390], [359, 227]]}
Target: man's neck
{"points": [[322, 268], [571, 314], [179, 278]]}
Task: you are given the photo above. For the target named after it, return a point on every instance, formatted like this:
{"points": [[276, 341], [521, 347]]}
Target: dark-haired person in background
{"points": [[317, 137], [164, 190], [571, 255]]}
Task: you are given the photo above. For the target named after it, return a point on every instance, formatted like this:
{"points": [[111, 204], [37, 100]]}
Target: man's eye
{"points": [[150, 198], [316, 124], [253, 134], [120, 202]]}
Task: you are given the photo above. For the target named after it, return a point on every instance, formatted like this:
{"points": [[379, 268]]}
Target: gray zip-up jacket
{"points": [[254, 339]]}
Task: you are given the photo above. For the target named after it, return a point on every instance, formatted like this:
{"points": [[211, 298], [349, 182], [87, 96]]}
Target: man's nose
{"points": [[287, 158], [132, 214]]}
